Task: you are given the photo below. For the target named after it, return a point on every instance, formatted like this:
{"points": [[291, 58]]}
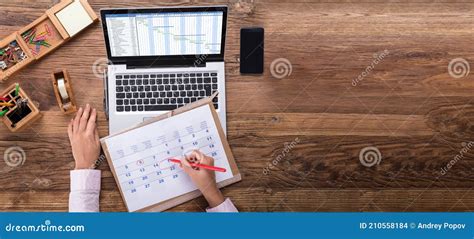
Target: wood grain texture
{"points": [[408, 106]]}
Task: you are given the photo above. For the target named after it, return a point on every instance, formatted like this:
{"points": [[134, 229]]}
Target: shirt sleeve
{"points": [[226, 206], [85, 190]]}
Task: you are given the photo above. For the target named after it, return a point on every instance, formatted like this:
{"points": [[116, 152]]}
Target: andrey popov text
{"points": [[413, 225]]}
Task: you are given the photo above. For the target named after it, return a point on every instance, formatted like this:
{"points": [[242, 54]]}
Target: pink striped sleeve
{"points": [[85, 190]]}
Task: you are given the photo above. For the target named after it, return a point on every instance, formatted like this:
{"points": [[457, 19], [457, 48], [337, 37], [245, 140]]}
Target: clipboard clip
{"points": [[214, 95]]}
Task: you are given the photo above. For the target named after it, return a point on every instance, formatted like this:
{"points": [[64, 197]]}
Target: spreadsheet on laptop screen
{"points": [[164, 34]]}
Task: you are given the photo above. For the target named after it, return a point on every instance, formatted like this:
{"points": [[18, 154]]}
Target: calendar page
{"points": [[141, 156]]}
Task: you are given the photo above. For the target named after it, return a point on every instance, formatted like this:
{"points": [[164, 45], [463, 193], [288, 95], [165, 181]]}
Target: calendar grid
{"points": [[142, 165], [125, 183], [200, 148], [169, 141], [152, 155]]}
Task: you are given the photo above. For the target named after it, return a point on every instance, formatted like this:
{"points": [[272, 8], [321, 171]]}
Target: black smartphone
{"points": [[251, 50]]}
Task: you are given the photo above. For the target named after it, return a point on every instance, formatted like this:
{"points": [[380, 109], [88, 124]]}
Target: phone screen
{"points": [[251, 50]]}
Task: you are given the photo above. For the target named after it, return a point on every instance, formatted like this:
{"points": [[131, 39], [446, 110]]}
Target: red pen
{"points": [[201, 166]]}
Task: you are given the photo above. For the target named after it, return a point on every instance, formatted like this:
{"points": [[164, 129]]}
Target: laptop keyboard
{"points": [[155, 92]]}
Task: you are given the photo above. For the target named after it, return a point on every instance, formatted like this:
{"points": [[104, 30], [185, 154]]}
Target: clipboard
{"points": [[161, 206]]}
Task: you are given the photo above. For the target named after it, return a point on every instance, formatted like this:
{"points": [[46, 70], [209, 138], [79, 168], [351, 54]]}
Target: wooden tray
{"points": [[53, 37], [15, 119], [4, 44], [57, 36]]}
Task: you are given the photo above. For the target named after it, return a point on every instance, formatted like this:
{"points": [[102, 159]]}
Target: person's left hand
{"points": [[84, 138]]}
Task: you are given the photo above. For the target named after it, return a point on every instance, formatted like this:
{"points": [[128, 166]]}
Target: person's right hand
{"points": [[204, 179]]}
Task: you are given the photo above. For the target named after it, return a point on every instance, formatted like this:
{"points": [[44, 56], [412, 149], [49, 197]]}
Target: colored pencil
{"points": [[6, 104], [208, 167], [17, 89]]}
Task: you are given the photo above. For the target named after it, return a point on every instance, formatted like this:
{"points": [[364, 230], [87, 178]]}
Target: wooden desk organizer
{"points": [[44, 35], [16, 118], [66, 100]]}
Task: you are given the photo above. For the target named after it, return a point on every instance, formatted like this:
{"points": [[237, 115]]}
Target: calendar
{"points": [[140, 157]]}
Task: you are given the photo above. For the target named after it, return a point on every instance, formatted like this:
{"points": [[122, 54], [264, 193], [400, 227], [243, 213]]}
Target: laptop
{"points": [[161, 59]]}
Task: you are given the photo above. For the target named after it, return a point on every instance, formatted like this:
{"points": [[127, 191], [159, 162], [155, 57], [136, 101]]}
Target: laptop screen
{"points": [[164, 33]]}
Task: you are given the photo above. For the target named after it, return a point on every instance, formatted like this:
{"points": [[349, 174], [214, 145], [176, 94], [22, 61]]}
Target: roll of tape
{"points": [[67, 106], [62, 89]]}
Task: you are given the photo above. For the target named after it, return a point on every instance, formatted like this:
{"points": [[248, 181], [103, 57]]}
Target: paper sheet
{"points": [[140, 156], [74, 18]]}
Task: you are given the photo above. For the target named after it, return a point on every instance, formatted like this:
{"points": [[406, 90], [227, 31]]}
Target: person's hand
{"points": [[204, 179], [84, 138]]}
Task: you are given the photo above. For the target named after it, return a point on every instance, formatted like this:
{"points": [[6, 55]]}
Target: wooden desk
{"points": [[408, 107]]}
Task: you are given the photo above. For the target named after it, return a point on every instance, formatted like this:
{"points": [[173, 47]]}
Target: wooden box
{"points": [[17, 45], [17, 117], [58, 25]]}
